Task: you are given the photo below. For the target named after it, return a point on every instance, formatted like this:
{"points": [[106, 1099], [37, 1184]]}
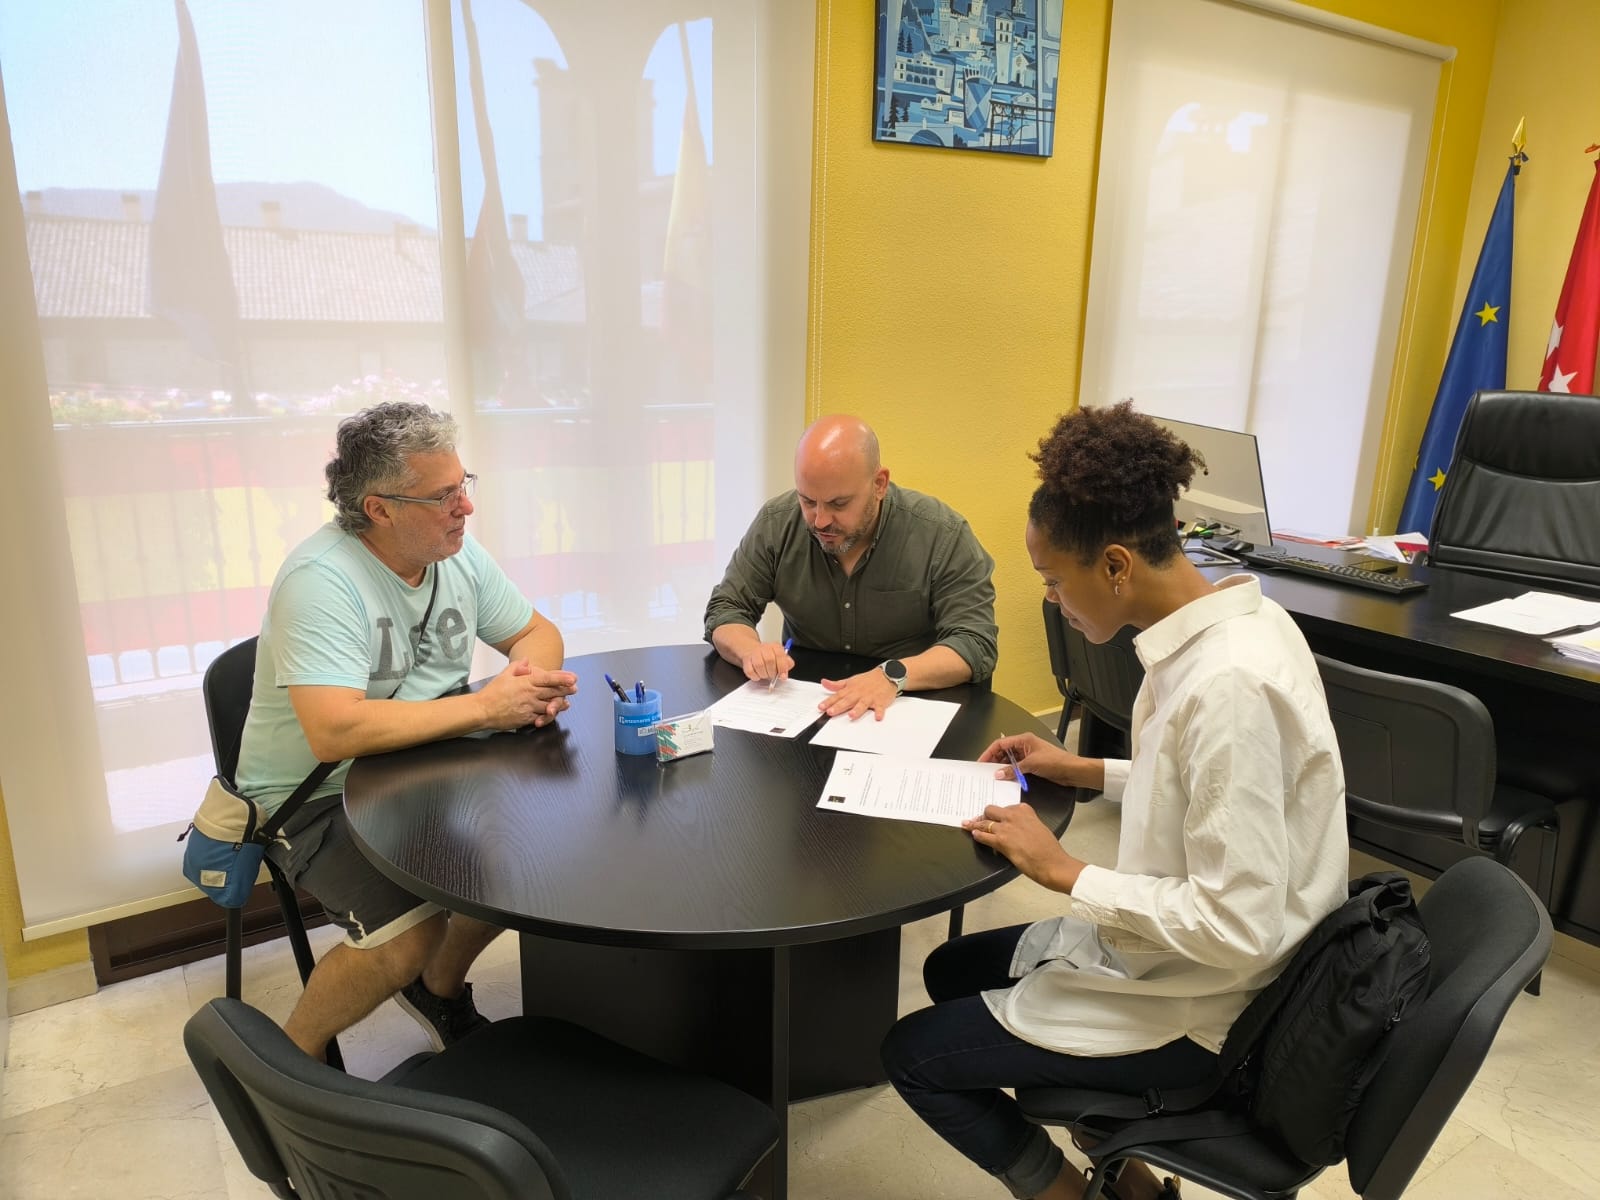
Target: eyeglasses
{"points": [[445, 503]]}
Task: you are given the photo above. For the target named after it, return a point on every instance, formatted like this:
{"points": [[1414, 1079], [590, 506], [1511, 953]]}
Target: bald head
{"points": [[838, 442], [840, 483]]}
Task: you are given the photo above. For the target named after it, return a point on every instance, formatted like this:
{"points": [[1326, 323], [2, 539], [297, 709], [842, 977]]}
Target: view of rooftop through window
{"points": [[236, 235]]}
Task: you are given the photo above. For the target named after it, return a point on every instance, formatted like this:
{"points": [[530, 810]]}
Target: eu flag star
{"points": [[1437, 479], [1489, 312]]}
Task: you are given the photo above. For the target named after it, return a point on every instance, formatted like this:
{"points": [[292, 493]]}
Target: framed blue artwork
{"points": [[968, 74]]}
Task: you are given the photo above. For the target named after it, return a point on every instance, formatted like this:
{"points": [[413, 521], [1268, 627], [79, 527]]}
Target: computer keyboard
{"points": [[1376, 581]]}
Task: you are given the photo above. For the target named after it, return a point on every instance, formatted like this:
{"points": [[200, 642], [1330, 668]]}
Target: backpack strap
{"points": [[296, 798]]}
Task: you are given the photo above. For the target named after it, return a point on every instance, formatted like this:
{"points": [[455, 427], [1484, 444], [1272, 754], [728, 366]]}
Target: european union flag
{"points": [[1477, 360]]}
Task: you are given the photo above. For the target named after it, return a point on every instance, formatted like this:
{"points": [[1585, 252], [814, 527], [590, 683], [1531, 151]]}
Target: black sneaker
{"points": [[446, 1022]]}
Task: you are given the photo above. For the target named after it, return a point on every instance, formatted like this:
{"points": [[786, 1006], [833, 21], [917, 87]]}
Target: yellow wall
{"points": [[986, 257], [1544, 71], [29, 958]]}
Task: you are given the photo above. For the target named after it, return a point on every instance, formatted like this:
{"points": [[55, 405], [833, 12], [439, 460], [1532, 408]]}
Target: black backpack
{"points": [[1296, 1062]]}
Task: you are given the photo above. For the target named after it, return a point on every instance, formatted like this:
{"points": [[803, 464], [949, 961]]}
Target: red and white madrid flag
{"points": [[1569, 358]]}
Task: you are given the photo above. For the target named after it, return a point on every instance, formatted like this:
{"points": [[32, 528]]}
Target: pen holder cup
{"points": [[636, 723]]}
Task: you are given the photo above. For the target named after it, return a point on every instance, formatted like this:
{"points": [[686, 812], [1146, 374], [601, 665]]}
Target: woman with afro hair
{"points": [[1232, 842]]}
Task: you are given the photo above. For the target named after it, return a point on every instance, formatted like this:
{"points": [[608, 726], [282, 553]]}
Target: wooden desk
{"points": [[706, 912], [1531, 691]]}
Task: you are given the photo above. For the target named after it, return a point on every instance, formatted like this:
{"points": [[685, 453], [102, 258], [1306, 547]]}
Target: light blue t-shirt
{"points": [[338, 617]]}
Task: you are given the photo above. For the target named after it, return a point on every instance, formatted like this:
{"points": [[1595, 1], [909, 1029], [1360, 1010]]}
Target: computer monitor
{"points": [[1230, 491]]}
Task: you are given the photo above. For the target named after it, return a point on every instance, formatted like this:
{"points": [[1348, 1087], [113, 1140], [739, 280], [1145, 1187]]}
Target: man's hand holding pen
{"points": [[768, 662]]}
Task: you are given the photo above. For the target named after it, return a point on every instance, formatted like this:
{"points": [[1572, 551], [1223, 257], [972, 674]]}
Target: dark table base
{"points": [[783, 1023], [712, 1009]]}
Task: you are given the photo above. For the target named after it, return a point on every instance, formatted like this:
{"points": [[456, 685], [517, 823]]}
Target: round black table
{"points": [[688, 909]]}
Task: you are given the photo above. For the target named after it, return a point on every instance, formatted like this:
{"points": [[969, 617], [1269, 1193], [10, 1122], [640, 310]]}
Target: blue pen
{"points": [[638, 692], [612, 684], [773, 682], [1022, 781]]}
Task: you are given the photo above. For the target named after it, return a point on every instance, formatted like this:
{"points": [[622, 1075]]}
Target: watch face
{"points": [[896, 671]]}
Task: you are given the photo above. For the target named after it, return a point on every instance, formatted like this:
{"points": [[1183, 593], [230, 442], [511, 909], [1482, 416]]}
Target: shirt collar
{"points": [[883, 515], [1234, 596]]}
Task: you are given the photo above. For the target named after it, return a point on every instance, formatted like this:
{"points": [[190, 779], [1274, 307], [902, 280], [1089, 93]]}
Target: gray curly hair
{"points": [[373, 451]]}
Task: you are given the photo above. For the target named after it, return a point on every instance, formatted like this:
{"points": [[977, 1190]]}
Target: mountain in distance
{"points": [[311, 206]]}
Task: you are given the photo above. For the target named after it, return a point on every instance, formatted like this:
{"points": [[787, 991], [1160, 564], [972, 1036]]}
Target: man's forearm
{"points": [[935, 667], [543, 647], [733, 641], [374, 726]]}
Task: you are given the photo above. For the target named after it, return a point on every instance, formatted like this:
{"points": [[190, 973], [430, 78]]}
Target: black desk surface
{"points": [[1420, 626], [552, 832]]}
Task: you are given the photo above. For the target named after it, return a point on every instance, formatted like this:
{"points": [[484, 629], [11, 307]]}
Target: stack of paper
{"points": [[1584, 646], [1538, 613]]}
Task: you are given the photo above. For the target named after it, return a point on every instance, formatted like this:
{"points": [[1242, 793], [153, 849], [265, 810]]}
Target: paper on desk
{"points": [[1396, 547], [787, 710], [911, 728], [940, 791], [1535, 612], [1583, 646]]}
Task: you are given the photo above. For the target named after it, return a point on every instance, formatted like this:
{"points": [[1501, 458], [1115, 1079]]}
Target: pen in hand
{"points": [[1022, 780], [773, 682]]}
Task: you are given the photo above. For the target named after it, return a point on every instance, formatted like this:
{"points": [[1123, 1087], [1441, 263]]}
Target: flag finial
{"points": [[1519, 138]]}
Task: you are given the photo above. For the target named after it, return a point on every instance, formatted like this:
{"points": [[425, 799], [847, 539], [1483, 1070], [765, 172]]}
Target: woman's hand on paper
{"points": [[1017, 832]]}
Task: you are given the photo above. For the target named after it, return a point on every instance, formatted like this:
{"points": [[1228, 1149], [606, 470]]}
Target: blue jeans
{"points": [[950, 1061]]}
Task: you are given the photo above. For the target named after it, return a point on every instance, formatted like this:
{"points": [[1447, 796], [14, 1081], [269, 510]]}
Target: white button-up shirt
{"points": [[1233, 842]]}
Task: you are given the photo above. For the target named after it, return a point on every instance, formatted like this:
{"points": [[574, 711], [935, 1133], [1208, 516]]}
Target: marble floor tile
{"points": [[115, 1036], [150, 1139]]}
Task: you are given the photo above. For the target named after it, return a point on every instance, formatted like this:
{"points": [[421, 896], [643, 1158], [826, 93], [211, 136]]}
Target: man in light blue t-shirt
{"points": [[370, 626]]}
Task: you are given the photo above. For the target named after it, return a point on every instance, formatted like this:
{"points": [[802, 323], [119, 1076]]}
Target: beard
{"points": [[848, 541]]}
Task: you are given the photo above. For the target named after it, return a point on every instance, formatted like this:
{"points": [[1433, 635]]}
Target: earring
{"points": [[1117, 589]]}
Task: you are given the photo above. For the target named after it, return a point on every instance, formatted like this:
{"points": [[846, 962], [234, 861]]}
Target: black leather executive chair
{"points": [[227, 686], [1521, 502], [1521, 499], [528, 1109], [1489, 938], [1100, 681], [1420, 756]]}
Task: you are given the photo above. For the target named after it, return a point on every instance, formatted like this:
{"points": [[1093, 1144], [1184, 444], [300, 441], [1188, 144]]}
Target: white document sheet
{"points": [[1535, 612], [786, 710], [910, 729], [940, 791]]}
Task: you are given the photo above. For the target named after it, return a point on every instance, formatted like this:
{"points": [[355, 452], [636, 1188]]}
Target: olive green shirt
{"points": [[924, 581]]}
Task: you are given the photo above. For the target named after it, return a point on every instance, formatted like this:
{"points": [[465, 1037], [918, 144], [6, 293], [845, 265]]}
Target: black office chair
{"points": [[1519, 503], [1420, 756], [1522, 492], [227, 686], [1490, 936], [528, 1109], [1101, 681]]}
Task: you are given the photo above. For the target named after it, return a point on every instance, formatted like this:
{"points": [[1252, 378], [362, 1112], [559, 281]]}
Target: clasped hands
{"points": [[871, 691], [524, 694]]}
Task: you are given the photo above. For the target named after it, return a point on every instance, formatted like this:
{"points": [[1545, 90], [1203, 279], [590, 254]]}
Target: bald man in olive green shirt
{"points": [[863, 566]]}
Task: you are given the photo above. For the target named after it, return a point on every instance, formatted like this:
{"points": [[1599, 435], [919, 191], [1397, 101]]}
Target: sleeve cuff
{"points": [[1094, 896], [1116, 778]]}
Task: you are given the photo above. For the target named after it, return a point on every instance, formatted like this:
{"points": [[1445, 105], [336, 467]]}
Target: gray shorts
{"points": [[321, 857]]}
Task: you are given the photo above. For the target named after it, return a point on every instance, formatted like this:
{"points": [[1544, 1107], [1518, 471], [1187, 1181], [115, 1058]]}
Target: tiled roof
{"points": [[98, 269]]}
